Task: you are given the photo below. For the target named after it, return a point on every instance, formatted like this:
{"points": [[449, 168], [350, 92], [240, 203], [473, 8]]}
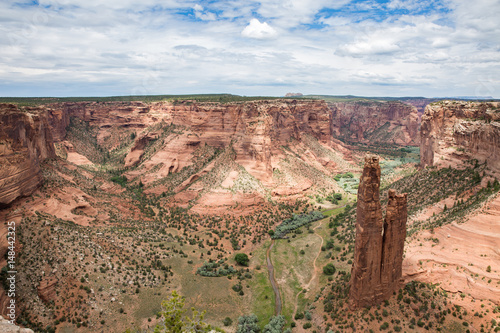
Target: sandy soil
{"points": [[458, 255]]}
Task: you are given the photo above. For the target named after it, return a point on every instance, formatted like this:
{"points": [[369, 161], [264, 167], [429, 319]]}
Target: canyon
{"points": [[259, 138], [376, 123], [128, 199]]}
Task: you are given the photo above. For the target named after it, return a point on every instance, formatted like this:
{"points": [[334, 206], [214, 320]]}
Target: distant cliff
{"points": [[452, 132], [375, 123], [25, 140]]}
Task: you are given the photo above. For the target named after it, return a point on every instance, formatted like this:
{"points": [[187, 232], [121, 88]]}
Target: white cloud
{"points": [[205, 16], [258, 30], [372, 47], [89, 47]]}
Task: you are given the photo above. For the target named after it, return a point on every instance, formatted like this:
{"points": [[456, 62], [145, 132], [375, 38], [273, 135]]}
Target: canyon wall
{"points": [[286, 145], [378, 254], [454, 131], [25, 140], [375, 123]]}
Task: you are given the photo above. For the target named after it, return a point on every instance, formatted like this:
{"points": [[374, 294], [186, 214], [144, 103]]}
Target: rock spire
{"points": [[378, 254]]}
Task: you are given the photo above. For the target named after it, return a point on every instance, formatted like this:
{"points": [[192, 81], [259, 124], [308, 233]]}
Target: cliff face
{"points": [[256, 130], [378, 253], [279, 146], [25, 140], [452, 132], [378, 123]]}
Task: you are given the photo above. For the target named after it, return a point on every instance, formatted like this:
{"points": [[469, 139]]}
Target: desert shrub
{"points": [[242, 259], [275, 325], [227, 321], [295, 222], [329, 269], [248, 324], [215, 269]]}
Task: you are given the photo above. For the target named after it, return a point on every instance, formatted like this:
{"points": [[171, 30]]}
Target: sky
{"points": [[430, 48]]}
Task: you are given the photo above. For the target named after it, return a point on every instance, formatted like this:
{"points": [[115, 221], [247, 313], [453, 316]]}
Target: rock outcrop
{"points": [[454, 131], [379, 123], [378, 254], [25, 140]]}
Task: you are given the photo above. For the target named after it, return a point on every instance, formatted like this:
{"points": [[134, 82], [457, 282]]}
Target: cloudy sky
{"points": [[269, 47]]}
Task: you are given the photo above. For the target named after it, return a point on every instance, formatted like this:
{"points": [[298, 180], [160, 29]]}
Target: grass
{"points": [[260, 286], [293, 278]]}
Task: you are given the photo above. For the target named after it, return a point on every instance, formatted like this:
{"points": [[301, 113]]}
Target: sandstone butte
{"points": [[255, 130], [378, 253], [453, 131]]}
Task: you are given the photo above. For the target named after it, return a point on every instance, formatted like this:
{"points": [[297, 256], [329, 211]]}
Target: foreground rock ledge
{"points": [[378, 253]]}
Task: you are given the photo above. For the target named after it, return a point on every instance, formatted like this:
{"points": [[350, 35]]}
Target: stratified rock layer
{"points": [[378, 253], [452, 132], [25, 140], [379, 123]]}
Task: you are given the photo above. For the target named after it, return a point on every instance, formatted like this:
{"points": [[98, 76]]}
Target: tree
{"points": [[227, 321], [173, 321], [329, 269], [275, 325], [248, 324], [242, 259]]}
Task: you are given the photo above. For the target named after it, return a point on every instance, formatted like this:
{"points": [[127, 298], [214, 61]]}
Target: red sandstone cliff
{"points": [[260, 140], [379, 123], [25, 140], [454, 131]]}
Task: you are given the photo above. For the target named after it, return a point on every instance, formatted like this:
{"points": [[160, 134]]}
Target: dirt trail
{"points": [[270, 269], [315, 270]]}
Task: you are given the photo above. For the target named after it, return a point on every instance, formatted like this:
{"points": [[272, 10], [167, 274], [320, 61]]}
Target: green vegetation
{"points": [[248, 324], [220, 98], [431, 185], [122, 180], [296, 221], [348, 182], [275, 325], [215, 269], [344, 175], [242, 259], [174, 321], [329, 269]]}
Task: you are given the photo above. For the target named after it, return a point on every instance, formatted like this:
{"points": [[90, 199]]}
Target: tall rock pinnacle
{"points": [[378, 253]]}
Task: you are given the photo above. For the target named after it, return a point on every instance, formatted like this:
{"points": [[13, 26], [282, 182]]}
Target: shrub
{"points": [[276, 324], [329, 269], [242, 259], [295, 222], [122, 180], [248, 324]]}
